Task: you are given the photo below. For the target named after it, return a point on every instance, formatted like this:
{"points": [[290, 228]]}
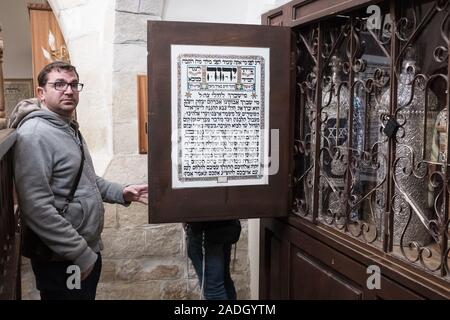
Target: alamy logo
{"points": [[74, 280], [374, 21], [374, 280]]}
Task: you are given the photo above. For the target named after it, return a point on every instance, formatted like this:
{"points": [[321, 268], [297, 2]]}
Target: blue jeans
{"points": [[51, 280], [218, 283]]}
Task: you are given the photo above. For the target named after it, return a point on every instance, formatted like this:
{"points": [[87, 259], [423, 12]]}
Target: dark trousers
{"points": [[52, 280], [218, 283]]}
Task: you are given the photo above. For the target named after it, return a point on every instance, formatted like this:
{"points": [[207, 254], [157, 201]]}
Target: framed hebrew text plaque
{"points": [[219, 121], [220, 116]]}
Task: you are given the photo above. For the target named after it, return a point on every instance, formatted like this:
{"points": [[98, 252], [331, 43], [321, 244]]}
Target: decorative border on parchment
{"points": [[179, 124]]}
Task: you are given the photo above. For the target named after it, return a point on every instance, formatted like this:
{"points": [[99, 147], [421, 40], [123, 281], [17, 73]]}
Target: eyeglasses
{"points": [[62, 86]]}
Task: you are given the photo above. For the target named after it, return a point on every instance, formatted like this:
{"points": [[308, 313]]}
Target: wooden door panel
{"points": [[275, 268], [295, 265], [312, 280], [142, 112], [169, 204], [273, 262], [45, 35], [392, 291]]}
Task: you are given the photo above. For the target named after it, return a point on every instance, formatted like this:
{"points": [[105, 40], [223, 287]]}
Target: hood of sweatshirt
{"points": [[31, 108]]}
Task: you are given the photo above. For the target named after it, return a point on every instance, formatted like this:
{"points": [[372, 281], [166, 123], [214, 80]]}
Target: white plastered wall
{"points": [[88, 29]]}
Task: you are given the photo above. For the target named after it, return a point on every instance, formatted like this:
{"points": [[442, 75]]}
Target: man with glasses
{"points": [[60, 196]]}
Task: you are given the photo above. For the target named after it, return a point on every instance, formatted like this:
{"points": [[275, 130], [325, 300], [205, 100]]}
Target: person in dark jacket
{"points": [[209, 248], [47, 162]]}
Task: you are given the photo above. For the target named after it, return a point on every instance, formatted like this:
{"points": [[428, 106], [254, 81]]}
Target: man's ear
{"points": [[40, 93]]}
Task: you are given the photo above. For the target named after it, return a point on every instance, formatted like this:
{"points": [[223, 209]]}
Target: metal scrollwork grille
{"points": [[370, 151]]}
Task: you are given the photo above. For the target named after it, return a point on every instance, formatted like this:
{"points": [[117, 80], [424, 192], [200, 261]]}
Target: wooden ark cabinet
{"points": [[363, 196], [358, 93]]}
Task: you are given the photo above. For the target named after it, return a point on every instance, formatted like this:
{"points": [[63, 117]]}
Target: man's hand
{"points": [[138, 193]]}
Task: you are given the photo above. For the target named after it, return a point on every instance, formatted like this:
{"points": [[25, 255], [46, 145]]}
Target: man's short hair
{"points": [[56, 65]]}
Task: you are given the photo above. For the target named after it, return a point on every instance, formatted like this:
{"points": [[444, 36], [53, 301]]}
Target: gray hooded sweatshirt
{"points": [[46, 161]]}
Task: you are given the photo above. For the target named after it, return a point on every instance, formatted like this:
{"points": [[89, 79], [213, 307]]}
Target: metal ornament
{"points": [[411, 206]]}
